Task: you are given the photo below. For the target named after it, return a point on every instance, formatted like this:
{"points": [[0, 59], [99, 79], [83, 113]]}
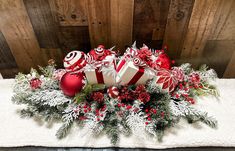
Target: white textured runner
{"points": [[15, 131]]}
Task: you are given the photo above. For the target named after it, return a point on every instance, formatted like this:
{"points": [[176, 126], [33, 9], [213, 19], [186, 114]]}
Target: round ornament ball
{"points": [[35, 83], [71, 84], [113, 92], [74, 60], [163, 61]]}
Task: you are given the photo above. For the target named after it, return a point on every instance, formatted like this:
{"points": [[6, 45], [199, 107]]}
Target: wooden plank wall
{"points": [[195, 31]]}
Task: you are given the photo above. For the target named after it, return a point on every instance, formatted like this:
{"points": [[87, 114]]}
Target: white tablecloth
{"points": [[15, 131]]}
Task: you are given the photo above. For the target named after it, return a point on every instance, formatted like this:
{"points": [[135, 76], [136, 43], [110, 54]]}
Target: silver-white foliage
{"points": [[93, 126], [175, 110], [21, 84], [49, 97], [183, 108], [208, 75], [49, 83], [136, 122], [186, 67]]}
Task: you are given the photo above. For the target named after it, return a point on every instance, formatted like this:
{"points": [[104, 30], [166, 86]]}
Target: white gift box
{"points": [[106, 75], [128, 73]]}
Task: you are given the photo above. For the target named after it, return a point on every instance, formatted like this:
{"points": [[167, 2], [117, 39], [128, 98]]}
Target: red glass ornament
{"points": [[71, 84], [164, 61]]}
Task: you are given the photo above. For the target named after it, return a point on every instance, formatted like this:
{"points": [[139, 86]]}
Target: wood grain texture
{"points": [[70, 12], [74, 38], [43, 22], [223, 27], [9, 72], [150, 17], [218, 54], [199, 28], [99, 22], [177, 24], [230, 69], [121, 23], [18, 31], [53, 53], [6, 58]]}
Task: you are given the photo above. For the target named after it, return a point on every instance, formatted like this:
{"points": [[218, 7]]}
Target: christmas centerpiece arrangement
{"points": [[138, 92]]}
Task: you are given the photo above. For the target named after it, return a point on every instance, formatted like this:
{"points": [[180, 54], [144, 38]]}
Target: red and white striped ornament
{"points": [[130, 52], [89, 58], [74, 60], [113, 92], [138, 62], [99, 50]]}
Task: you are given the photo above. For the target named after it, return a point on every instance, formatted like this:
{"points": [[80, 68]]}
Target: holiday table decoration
{"points": [[101, 66], [145, 92]]}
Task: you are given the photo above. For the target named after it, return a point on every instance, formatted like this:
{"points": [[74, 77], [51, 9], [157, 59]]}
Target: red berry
{"points": [[101, 115], [154, 111], [85, 111], [84, 106], [119, 105], [146, 110], [98, 119], [123, 104], [89, 109], [162, 114], [128, 107], [149, 118], [181, 86], [146, 123], [177, 96]]}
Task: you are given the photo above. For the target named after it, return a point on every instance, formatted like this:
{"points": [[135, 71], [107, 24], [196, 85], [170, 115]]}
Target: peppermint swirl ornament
{"points": [[99, 50], [138, 62], [113, 92], [74, 60], [131, 52]]}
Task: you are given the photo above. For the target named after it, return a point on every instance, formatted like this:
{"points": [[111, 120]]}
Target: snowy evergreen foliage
{"points": [[114, 116]]}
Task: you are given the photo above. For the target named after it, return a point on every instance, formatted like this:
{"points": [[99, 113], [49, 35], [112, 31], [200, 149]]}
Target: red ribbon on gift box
{"points": [[99, 76], [137, 76]]}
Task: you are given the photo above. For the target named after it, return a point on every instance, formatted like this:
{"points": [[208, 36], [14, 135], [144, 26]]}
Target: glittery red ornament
{"points": [[35, 83], [71, 84], [98, 97], [163, 61], [144, 97]]}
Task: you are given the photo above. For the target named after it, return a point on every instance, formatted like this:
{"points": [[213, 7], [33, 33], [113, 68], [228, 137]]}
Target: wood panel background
{"points": [[195, 31]]}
